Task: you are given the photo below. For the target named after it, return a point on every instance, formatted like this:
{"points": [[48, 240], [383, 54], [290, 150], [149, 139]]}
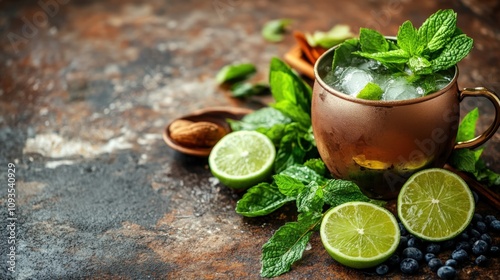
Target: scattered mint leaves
{"points": [[234, 72], [244, 89], [371, 91], [334, 36], [273, 30]]}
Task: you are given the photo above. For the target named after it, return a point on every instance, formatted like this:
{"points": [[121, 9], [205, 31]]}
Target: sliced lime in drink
{"points": [[435, 204], [242, 159], [360, 234]]}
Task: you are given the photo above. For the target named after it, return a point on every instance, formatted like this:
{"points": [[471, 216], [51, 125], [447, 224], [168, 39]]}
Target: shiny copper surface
{"points": [[379, 144]]}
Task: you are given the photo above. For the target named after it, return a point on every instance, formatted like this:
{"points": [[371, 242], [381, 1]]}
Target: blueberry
{"points": [[481, 227], [382, 269], [451, 262], [489, 218], [495, 225], [446, 272], [474, 233], [464, 236], [403, 242], [480, 247], [463, 245], [473, 240], [486, 237], [414, 253], [494, 251], [481, 260], [402, 229], [408, 266], [460, 255], [393, 261], [477, 218], [414, 242], [448, 244], [434, 264], [433, 248], [428, 257]]}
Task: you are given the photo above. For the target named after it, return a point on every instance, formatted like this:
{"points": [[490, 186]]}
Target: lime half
{"points": [[242, 159], [359, 234], [435, 204]]}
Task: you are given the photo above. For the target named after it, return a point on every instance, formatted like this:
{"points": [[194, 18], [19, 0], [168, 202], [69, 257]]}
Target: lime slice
{"points": [[435, 204], [359, 234], [242, 159]]}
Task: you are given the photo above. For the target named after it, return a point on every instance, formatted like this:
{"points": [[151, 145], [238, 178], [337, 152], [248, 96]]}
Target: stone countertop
{"points": [[86, 88]]}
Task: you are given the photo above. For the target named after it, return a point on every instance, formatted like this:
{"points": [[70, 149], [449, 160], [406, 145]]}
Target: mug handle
{"points": [[485, 136]]}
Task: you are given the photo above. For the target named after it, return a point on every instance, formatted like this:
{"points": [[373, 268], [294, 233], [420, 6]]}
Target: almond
{"points": [[196, 134]]}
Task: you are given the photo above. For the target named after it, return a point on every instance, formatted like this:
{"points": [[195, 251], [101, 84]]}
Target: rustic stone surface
{"points": [[86, 88]]}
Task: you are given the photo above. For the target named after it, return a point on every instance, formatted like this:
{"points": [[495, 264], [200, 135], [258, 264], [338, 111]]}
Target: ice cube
{"points": [[354, 80], [399, 89]]}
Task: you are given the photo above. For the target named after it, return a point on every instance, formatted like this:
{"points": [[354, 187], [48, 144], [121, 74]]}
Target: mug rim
{"points": [[382, 103]]}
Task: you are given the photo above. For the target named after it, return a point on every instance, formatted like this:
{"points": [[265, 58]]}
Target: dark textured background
{"points": [[86, 89]]}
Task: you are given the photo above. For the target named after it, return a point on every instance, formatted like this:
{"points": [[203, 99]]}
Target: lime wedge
{"points": [[242, 159], [359, 234], [435, 204]]}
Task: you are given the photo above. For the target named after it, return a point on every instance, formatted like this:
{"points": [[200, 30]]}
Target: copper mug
{"points": [[379, 144]]}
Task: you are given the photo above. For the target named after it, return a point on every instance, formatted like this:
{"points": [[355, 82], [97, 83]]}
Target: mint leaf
{"points": [[372, 41], [240, 90], [420, 65], [290, 110], [266, 117], [287, 245], [463, 159], [273, 30], [234, 72], [342, 56], [317, 165], [458, 48], [289, 151], [337, 192], [467, 127], [310, 199], [287, 185], [285, 85], [371, 91], [438, 29], [399, 56], [334, 36], [261, 200], [485, 175], [303, 174], [408, 40]]}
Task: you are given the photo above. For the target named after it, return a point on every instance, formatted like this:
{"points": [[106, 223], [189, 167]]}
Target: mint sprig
{"points": [[437, 45], [300, 176]]}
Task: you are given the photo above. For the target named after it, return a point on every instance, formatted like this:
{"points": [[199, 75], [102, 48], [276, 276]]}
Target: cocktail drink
{"points": [[377, 121]]}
